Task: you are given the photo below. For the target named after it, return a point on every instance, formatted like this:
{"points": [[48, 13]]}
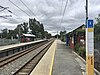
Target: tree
{"points": [[97, 29], [25, 27], [47, 35], [18, 30], [97, 26], [62, 35], [4, 33], [32, 26], [11, 34], [42, 31], [37, 28]]}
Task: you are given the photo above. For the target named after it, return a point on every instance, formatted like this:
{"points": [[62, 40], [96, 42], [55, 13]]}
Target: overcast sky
{"points": [[49, 13]]}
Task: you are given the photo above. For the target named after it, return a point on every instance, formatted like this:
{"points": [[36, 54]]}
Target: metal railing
{"points": [[8, 41]]}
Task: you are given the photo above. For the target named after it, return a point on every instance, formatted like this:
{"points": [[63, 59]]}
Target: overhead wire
{"points": [[28, 8], [19, 8], [6, 8], [60, 13], [14, 14], [33, 12], [63, 12], [6, 16], [61, 9], [3, 9]]}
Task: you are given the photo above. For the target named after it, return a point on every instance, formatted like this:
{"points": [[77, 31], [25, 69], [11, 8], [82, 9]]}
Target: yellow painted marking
{"points": [[83, 73], [90, 65], [44, 67], [90, 29], [51, 67]]}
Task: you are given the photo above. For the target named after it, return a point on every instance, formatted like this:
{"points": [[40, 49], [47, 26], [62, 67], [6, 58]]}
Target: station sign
{"points": [[90, 38], [89, 47], [90, 24]]}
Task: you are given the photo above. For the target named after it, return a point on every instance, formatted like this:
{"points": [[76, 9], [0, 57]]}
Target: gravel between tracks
{"points": [[9, 69]]}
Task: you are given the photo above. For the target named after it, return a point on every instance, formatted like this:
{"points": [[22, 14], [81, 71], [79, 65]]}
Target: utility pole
{"points": [[89, 44], [86, 11]]}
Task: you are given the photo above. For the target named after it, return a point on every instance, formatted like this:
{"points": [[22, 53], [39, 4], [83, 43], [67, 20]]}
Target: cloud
{"points": [[3, 26], [49, 13]]}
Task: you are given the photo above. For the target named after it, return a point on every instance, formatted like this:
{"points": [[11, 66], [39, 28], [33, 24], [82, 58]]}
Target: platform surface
{"points": [[59, 60], [65, 62], [44, 67]]}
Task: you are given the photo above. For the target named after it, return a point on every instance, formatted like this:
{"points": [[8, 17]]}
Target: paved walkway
{"points": [[65, 63]]}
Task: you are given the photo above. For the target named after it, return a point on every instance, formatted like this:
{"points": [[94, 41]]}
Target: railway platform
{"points": [[65, 62], [59, 60]]}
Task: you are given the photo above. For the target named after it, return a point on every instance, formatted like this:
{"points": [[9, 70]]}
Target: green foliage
{"points": [[25, 27], [37, 28], [33, 26], [19, 29], [80, 50], [98, 18], [62, 35], [97, 29], [47, 35], [42, 31], [76, 47], [4, 33], [11, 33]]}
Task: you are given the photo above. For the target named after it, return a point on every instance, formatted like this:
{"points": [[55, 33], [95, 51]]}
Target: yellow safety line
{"points": [[51, 67], [82, 73]]}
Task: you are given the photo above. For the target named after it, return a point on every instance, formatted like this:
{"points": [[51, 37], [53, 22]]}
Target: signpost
{"points": [[89, 48]]}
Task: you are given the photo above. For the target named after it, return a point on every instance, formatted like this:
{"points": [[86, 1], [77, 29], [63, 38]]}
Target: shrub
{"points": [[82, 51], [77, 47]]}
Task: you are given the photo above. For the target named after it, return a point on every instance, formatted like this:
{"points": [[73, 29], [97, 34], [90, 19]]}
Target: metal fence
{"points": [[97, 45], [97, 55], [7, 41]]}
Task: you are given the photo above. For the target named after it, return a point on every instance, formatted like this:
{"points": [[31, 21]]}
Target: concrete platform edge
{"points": [[51, 67], [45, 66], [96, 71]]}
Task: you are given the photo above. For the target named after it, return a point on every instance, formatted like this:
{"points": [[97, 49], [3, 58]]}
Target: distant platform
{"points": [[17, 45]]}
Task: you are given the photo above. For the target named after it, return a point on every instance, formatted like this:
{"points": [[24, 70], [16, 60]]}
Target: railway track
{"points": [[38, 51], [30, 65], [13, 57]]}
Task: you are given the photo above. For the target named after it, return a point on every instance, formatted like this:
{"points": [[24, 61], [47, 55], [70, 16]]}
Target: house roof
{"points": [[29, 35]]}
